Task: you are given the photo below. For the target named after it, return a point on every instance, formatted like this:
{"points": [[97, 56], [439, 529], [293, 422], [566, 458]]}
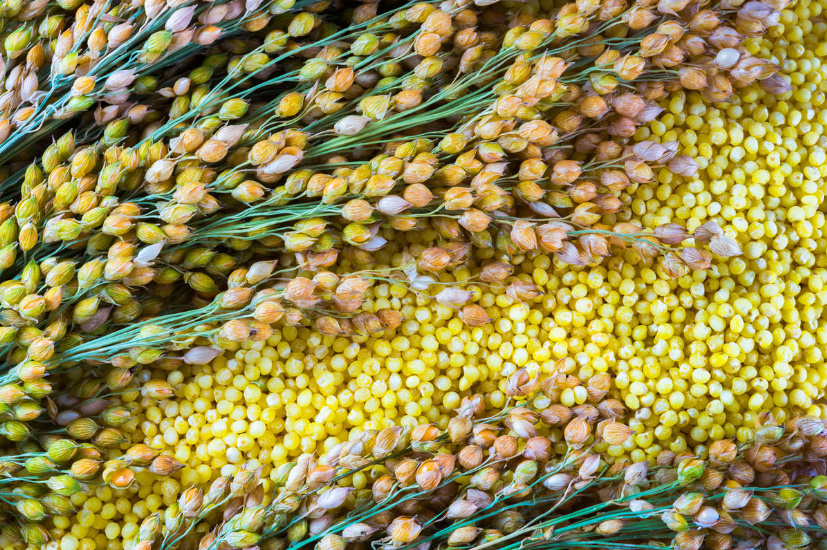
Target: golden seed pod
{"points": [[85, 468], [82, 428], [141, 455], [34, 534], [404, 529], [331, 541], [405, 471], [434, 259], [615, 433], [109, 438], [120, 478], [577, 431], [165, 465]]}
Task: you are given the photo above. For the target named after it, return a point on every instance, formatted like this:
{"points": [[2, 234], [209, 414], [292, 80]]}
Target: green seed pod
{"points": [[228, 180], [180, 106], [490, 535], [32, 178], [33, 490], [64, 485], [282, 473], [40, 465], [197, 257], [689, 470], [297, 531], [279, 196], [95, 217], [201, 75], [221, 264], [200, 282], [167, 276], [109, 438], [98, 244], [83, 162], [525, 472], [80, 103], [58, 505], [276, 8], [198, 95], [275, 41], [26, 209], [7, 335], [115, 131], [365, 45], [37, 388], [66, 194], [8, 232], [50, 158], [787, 498], [70, 5], [674, 521], [82, 428], [62, 450], [127, 312], [69, 230], [158, 42], [90, 273], [116, 415], [795, 538], [145, 356], [144, 85], [150, 527], [60, 274], [34, 534], [66, 145], [30, 447], [313, 69], [30, 277], [17, 41], [14, 430], [233, 109], [255, 62], [13, 294], [52, 26], [116, 294], [302, 24], [27, 411]]}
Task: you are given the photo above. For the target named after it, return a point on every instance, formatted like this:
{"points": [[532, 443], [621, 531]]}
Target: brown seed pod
{"points": [[615, 433], [470, 457], [505, 446], [577, 431], [428, 475], [405, 472], [556, 415]]}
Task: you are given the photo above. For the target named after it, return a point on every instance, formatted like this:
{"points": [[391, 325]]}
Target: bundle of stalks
{"points": [[61, 62], [497, 481]]}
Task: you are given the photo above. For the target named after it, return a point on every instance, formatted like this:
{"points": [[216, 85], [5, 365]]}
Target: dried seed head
{"points": [[696, 259], [434, 259], [165, 465], [615, 433], [577, 431], [404, 530], [470, 457], [474, 315], [428, 475]]}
